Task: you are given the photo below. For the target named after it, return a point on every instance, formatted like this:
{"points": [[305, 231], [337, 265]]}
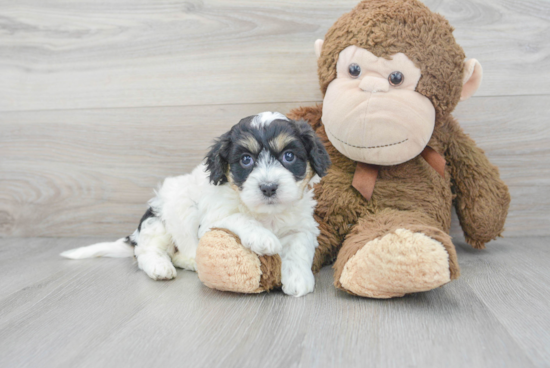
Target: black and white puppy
{"points": [[257, 182]]}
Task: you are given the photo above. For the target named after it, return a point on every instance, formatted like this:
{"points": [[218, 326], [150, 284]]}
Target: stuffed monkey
{"points": [[391, 73]]}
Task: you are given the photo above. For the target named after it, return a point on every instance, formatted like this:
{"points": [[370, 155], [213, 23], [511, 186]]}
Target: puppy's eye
{"points": [[247, 161], [288, 157], [396, 79], [354, 70]]}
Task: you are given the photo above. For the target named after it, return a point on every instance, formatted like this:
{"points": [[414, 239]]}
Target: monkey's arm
{"points": [[311, 114], [482, 198]]}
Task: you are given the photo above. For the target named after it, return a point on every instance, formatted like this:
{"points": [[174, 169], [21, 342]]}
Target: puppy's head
{"points": [[269, 159]]}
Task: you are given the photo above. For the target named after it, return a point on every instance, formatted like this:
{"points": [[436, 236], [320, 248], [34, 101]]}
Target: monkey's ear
{"points": [[317, 154], [217, 159], [473, 73], [318, 47]]}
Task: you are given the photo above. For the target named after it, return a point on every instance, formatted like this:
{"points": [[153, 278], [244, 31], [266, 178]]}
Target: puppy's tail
{"points": [[117, 249]]}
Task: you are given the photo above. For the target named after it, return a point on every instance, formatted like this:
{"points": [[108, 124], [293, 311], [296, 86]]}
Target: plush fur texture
{"points": [[224, 264], [397, 242], [256, 184], [388, 27], [395, 264], [414, 189]]}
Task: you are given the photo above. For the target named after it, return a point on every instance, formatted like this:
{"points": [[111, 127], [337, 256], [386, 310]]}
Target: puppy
{"points": [[256, 182]]}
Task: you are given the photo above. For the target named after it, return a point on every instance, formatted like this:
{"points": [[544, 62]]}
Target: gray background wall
{"points": [[99, 101]]}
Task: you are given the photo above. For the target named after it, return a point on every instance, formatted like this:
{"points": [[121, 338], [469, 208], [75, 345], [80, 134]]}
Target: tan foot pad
{"points": [[397, 264], [224, 264]]}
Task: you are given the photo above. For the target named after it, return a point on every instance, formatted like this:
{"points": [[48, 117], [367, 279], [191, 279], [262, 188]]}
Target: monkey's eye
{"points": [[288, 157], [354, 70], [396, 79], [247, 161]]}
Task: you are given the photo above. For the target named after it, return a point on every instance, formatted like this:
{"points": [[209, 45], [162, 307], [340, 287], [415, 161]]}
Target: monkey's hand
{"points": [[482, 198], [311, 114]]}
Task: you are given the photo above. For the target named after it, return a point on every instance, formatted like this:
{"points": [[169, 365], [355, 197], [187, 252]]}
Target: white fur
{"points": [[154, 250], [188, 206], [265, 118], [116, 249], [268, 170]]}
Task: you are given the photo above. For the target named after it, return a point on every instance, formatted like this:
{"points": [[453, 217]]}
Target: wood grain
{"points": [[105, 312], [512, 280], [97, 54], [90, 172]]}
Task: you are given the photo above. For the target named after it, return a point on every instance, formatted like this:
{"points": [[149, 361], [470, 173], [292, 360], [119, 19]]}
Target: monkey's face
{"points": [[372, 112]]}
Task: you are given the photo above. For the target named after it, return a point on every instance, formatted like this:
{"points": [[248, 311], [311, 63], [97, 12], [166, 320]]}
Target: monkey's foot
{"points": [[223, 263], [396, 264]]}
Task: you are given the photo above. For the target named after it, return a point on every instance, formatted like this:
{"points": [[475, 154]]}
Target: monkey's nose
{"points": [[374, 84], [269, 189]]}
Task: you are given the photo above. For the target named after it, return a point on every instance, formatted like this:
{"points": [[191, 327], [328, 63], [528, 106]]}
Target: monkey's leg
{"points": [[393, 253], [223, 263]]}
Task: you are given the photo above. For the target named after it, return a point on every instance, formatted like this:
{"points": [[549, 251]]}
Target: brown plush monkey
{"points": [[391, 73]]}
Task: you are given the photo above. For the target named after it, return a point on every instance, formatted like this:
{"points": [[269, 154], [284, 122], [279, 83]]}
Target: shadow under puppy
{"points": [[256, 182]]}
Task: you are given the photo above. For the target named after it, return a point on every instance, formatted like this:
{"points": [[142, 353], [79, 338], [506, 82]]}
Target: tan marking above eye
{"points": [[279, 143], [250, 143]]}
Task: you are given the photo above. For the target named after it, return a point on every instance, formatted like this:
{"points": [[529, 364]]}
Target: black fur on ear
{"points": [[217, 159], [317, 154]]}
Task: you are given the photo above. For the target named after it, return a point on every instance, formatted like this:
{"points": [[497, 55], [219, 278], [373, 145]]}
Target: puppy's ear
{"points": [[316, 152], [217, 159]]}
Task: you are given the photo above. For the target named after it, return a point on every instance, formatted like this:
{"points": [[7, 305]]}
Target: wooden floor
{"points": [[106, 313]]}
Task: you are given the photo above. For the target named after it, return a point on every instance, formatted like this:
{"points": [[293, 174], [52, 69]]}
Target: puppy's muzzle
{"points": [[269, 190]]}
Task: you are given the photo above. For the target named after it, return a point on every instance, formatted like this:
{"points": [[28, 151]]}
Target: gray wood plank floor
{"points": [[106, 313]]}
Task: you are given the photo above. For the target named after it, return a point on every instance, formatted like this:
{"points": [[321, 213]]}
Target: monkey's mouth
{"points": [[366, 147]]}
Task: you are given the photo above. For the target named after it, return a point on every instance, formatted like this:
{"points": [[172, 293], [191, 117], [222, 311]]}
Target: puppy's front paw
{"points": [[297, 282], [163, 271], [262, 242], [157, 268]]}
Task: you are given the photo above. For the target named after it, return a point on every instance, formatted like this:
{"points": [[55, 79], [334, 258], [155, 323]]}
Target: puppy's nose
{"points": [[269, 189]]}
